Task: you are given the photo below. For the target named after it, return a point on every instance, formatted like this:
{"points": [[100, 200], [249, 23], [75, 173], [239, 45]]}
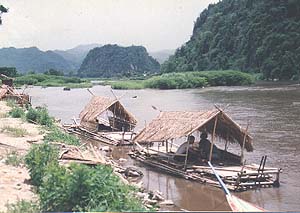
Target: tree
{"points": [[2, 10]]}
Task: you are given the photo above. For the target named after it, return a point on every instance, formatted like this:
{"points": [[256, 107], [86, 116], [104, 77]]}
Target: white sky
{"points": [[64, 24]]}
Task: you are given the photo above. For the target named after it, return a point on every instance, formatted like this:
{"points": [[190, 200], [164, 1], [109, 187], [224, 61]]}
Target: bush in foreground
{"points": [[78, 187]]}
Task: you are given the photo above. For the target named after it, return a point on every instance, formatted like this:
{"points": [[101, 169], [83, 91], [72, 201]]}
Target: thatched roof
{"points": [[98, 105], [174, 125]]}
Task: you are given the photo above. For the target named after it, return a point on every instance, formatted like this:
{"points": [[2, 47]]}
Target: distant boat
{"points": [[67, 89]]}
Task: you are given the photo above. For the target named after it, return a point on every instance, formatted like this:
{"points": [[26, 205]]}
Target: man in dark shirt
{"points": [[204, 147]]}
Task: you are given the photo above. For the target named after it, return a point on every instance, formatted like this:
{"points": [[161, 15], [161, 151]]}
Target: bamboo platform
{"points": [[236, 178], [109, 138]]}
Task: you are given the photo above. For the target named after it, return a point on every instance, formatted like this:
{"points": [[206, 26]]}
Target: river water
{"points": [[273, 112]]}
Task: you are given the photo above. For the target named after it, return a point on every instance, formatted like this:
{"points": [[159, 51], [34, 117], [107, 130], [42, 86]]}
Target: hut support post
{"points": [[243, 146], [167, 146], [213, 138], [186, 155]]}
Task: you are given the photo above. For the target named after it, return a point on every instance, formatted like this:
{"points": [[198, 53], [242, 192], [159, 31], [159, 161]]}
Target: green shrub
{"points": [[16, 112], [37, 160], [39, 116], [23, 206], [14, 159], [82, 188], [127, 85], [57, 135]]}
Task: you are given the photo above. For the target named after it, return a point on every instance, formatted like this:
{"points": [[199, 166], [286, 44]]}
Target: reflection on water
{"points": [[273, 114]]}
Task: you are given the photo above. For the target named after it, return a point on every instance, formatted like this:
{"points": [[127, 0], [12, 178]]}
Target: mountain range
{"points": [[36, 60]]}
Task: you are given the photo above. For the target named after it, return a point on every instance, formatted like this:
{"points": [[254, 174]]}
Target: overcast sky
{"points": [[63, 24]]}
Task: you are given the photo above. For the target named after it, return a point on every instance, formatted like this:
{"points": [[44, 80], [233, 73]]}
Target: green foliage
{"points": [[253, 36], [11, 103], [39, 116], [82, 188], [188, 80], [14, 159], [38, 159], [127, 84], [176, 81], [116, 61], [8, 71], [23, 206], [78, 188], [52, 81], [57, 135], [17, 112], [54, 72]]}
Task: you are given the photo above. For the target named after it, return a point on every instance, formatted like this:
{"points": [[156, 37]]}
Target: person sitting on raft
{"points": [[204, 147], [188, 145]]}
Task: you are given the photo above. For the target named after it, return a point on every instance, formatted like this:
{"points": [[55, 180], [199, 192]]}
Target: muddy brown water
{"points": [[272, 110]]}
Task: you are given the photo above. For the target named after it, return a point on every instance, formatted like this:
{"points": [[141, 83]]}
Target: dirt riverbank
{"points": [[16, 137]]}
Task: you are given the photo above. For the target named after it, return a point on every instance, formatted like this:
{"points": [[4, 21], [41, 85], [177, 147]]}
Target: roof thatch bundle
{"points": [[98, 105], [174, 125]]}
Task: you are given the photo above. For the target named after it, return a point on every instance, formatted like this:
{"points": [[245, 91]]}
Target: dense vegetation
{"points": [[48, 80], [77, 54], [187, 80], [8, 71], [261, 36], [116, 61], [33, 59]]}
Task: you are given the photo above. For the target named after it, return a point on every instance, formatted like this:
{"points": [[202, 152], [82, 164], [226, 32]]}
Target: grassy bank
{"points": [[52, 81], [77, 187], [187, 80]]}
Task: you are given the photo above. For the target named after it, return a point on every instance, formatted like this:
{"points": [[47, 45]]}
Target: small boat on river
{"points": [[171, 133]]}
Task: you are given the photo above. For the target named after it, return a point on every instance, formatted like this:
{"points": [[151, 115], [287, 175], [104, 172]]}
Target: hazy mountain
{"points": [[162, 55], [77, 54], [33, 59], [114, 60], [261, 36]]}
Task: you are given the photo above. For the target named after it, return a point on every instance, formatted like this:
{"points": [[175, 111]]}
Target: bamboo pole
{"points": [[213, 138], [187, 153], [243, 146]]}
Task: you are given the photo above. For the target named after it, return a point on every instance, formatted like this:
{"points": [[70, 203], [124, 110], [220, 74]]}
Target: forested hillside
{"points": [[261, 36], [76, 55], [116, 61], [33, 59]]}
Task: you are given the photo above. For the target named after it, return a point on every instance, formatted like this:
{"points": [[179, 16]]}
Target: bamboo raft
{"points": [[171, 129], [236, 178], [109, 138]]}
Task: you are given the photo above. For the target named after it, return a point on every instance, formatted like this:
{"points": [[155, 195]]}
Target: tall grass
{"points": [[14, 131]]}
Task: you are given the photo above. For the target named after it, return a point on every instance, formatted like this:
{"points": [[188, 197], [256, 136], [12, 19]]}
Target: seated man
{"points": [[204, 147], [182, 149]]}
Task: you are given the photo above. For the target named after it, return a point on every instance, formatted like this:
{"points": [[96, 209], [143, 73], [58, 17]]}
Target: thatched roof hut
{"points": [[174, 125], [117, 117]]}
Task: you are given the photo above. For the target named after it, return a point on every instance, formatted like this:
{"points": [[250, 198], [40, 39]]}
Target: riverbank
{"points": [[46, 80], [36, 177], [185, 80], [14, 181]]}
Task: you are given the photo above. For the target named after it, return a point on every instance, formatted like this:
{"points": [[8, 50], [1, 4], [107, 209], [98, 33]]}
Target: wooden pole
{"points": [[186, 153], [213, 138], [243, 146]]}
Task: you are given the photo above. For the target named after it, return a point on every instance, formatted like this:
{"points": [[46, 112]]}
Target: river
{"points": [[273, 112]]}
